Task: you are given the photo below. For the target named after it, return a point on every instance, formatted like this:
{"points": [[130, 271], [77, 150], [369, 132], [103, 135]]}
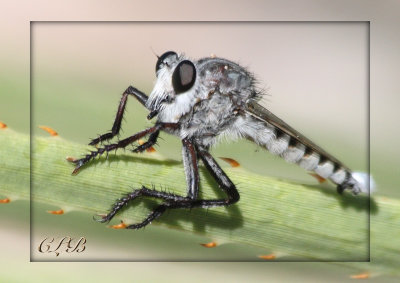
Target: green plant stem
{"points": [[300, 222]]}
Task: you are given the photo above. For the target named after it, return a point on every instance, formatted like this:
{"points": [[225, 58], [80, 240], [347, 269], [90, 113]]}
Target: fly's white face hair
{"points": [[170, 102]]}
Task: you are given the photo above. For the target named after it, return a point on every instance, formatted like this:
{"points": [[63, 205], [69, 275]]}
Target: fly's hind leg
{"points": [[223, 181], [122, 202], [219, 175], [172, 201]]}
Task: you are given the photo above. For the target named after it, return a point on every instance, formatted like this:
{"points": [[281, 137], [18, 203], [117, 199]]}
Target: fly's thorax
{"points": [[208, 118], [226, 76]]}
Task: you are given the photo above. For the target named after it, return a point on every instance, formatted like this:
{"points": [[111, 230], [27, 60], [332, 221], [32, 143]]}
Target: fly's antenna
{"points": [[152, 50]]}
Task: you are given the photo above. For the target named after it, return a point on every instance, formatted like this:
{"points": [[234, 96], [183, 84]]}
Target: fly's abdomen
{"points": [[307, 155], [295, 152], [310, 159]]}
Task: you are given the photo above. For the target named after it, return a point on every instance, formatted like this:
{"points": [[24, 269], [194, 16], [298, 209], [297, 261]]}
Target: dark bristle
{"points": [[340, 189], [308, 151], [336, 167], [322, 159], [348, 176], [278, 133], [292, 142]]}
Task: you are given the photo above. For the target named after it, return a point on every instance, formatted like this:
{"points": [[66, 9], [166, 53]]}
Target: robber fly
{"points": [[201, 102]]}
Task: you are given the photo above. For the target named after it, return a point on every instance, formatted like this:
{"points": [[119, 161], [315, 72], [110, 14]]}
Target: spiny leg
{"points": [[150, 142], [189, 157], [219, 175], [192, 178], [140, 96], [157, 212], [223, 181], [137, 193], [122, 143], [107, 148], [154, 136]]}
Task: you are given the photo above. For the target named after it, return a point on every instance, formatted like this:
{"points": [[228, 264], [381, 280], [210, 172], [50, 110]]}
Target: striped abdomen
{"points": [[308, 158], [295, 148]]}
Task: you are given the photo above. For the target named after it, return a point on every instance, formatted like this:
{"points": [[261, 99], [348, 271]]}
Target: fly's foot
{"points": [[101, 138], [102, 218], [143, 147], [78, 164], [155, 214]]}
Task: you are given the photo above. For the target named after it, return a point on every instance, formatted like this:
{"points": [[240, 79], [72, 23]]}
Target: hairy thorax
{"points": [[213, 105]]}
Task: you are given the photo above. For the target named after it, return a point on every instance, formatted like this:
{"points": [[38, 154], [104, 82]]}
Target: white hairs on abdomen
{"points": [[293, 151]]}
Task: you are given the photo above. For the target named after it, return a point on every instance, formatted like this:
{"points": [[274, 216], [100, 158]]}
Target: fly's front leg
{"points": [[153, 131], [140, 96], [107, 148]]}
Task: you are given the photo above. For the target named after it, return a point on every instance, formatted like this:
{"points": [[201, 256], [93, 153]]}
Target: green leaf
{"points": [[295, 221]]}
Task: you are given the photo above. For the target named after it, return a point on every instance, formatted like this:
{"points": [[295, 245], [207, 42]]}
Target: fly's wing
{"points": [[260, 113]]}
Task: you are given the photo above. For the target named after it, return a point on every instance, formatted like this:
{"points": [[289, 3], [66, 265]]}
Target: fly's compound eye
{"points": [[162, 58], [184, 76]]}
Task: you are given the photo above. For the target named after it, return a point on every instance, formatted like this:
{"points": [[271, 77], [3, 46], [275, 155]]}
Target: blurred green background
{"points": [[316, 79]]}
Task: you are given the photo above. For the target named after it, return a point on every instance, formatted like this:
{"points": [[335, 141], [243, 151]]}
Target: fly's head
{"points": [[176, 84]]}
